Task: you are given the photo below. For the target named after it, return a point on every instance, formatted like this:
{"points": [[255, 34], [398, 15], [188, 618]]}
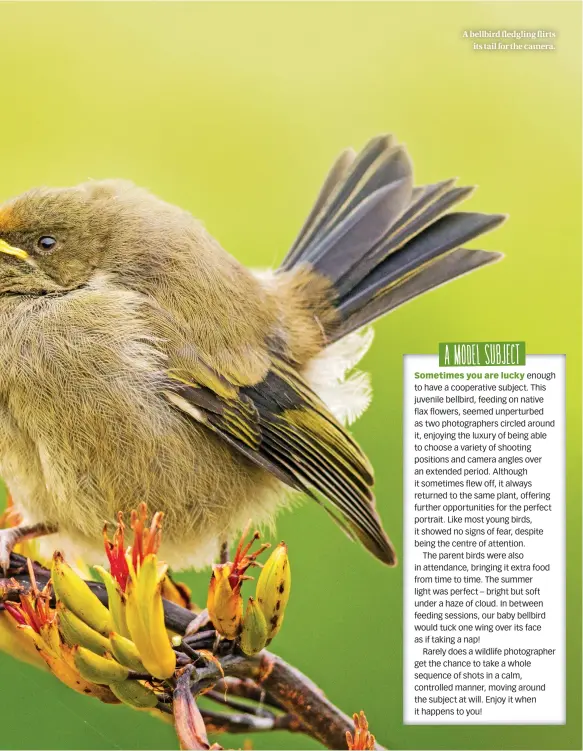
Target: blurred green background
{"points": [[235, 111]]}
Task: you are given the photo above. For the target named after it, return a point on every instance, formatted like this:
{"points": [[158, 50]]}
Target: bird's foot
{"points": [[198, 623], [13, 535]]}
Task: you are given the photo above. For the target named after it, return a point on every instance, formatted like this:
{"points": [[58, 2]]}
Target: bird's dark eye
{"points": [[46, 243]]}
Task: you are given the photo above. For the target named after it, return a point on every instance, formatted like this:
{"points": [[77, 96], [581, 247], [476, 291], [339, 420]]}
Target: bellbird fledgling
{"points": [[141, 362]]}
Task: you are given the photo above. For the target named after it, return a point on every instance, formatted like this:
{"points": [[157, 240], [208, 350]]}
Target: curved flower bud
{"points": [[126, 653], [254, 630], [74, 593], [135, 694], [145, 617], [115, 601], [77, 632], [98, 669], [273, 588]]}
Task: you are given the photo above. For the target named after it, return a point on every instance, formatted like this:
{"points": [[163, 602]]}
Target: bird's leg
{"points": [[13, 535]]}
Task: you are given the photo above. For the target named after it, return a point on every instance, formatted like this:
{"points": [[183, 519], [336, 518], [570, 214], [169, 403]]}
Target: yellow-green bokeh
{"points": [[235, 112]]}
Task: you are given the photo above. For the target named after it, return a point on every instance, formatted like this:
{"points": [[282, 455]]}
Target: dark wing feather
{"points": [[281, 425]]}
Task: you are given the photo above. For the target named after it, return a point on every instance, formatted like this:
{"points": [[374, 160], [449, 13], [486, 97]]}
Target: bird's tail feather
{"points": [[380, 241]]}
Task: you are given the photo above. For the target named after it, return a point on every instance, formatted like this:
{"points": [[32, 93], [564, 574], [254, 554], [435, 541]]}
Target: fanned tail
{"points": [[382, 242]]}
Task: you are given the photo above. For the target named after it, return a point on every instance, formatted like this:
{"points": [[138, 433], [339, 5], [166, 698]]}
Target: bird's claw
{"points": [[7, 543], [198, 623], [13, 535]]}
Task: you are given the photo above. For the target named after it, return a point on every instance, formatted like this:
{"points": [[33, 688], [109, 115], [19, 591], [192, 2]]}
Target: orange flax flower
{"points": [[224, 601], [38, 621], [362, 740], [146, 541], [33, 609]]}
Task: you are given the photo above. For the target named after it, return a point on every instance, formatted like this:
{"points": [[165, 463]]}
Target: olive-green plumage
{"points": [[141, 362]]}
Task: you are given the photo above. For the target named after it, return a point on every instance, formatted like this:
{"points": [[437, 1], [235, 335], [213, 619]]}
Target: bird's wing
{"points": [[281, 425]]}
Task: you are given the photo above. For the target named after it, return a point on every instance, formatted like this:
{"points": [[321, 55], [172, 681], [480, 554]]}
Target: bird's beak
{"points": [[10, 251]]}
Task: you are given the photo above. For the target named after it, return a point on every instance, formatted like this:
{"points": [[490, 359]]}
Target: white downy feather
{"points": [[347, 393]]}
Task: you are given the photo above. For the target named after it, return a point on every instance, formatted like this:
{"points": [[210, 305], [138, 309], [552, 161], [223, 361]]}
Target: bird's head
{"points": [[53, 239]]}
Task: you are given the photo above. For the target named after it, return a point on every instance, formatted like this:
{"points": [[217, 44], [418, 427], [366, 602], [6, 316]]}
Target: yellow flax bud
{"points": [[98, 669], [135, 694], [116, 601], [145, 618], [254, 629], [273, 588], [74, 593], [77, 633], [126, 653]]}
